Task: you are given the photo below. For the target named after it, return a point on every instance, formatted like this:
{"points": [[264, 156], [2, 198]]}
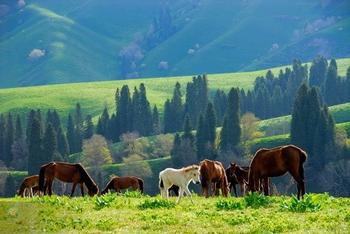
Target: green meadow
{"points": [[133, 213]]}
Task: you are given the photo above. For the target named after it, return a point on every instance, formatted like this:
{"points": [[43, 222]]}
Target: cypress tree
{"points": [[71, 135], [175, 151], [177, 108], [18, 129], [30, 118], [89, 127], [78, 128], [124, 111], [35, 147], [210, 122], [331, 91], [168, 123], [348, 84], [318, 71], [156, 121], [135, 111], [145, 126], [9, 140], [56, 122], [201, 138], [2, 137], [231, 130], [220, 105], [49, 144], [188, 130], [62, 144]]}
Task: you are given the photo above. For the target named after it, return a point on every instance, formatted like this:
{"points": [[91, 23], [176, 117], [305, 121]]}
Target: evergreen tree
{"points": [[220, 104], [210, 127], [124, 111], [176, 150], [71, 135], [2, 137], [168, 123], [18, 129], [35, 147], [89, 127], [9, 140], [188, 130], [331, 87], [177, 108], [102, 125], [201, 138], [231, 130], [142, 112], [156, 121], [49, 144], [30, 119], [318, 71], [56, 121], [79, 128], [9, 188], [347, 84], [62, 144]]}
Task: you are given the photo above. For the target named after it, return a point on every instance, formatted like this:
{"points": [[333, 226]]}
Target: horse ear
{"points": [[232, 164]]}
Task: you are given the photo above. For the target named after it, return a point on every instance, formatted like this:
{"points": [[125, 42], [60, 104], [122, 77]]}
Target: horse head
{"points": [[93, 190], [194, 174]]}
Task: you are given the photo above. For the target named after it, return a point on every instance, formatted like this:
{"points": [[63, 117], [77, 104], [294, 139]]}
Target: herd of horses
{"points": [[212, 176]]}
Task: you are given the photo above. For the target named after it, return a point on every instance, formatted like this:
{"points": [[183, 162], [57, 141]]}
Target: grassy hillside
{"points": [[93, 96], [134, 214], [82, 39]]}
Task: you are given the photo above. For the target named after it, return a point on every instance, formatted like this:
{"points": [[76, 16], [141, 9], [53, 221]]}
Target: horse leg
{"points": [[300, 183], [181, 192], [266, 186], [234, 189], [49, 187], [242, 188], [188, 193], [30, 192], [73, 188], [82, 189]]}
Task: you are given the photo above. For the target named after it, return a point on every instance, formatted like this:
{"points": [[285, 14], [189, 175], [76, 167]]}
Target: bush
{"points": [[104, 201], [229, 204], [308, 204], [256, 200], [156, 203]]}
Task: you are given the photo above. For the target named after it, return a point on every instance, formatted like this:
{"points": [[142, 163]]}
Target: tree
{"points": [[9, 189], [188, 130], [35, 147], [18, 129], [220, 105], [9, 140], [210, 131], [249, 125], [96, 153], [124, 110], [2, 137], [183, 152], [231, 130], [156, 121], [168, 123], [71, 135], [331, 87], [89, 127], [62, 144], [49, 145], [318, 71], [201, 138], [177, 108]]}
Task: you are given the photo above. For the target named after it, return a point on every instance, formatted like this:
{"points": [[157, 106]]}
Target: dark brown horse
{"points": [[28, 185], [241, 174], [213, 172], [118, 183], [66, 172], [276, 162]]}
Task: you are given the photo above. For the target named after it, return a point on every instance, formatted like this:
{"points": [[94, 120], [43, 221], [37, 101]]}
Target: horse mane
{"points": [[87, 179], [191, 167]]}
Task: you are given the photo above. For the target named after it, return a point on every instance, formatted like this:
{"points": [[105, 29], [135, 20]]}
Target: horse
{"points": [[29, 184], [232, 181], [66, 172], [118, 183], [179, 177], [241, 175], [174, 189], [213, 172], [276, 162]]}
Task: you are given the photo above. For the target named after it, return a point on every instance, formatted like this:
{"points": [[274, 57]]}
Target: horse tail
{"points": [[303, 157], [42, 177], [140, 184], [108, 186]]}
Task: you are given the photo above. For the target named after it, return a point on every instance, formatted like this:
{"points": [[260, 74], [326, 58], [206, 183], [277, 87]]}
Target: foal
{"points": [[180, 177], [28, 184]]}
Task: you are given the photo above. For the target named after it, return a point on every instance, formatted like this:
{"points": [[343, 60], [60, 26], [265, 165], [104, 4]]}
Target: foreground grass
{"points": [[135, 214]]}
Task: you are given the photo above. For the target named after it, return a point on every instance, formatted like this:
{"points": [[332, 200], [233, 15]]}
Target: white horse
{"points": [[180, 177]]}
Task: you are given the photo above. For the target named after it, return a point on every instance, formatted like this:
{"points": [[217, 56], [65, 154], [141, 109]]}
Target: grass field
{"points": [[132, 213], [93, 96]]}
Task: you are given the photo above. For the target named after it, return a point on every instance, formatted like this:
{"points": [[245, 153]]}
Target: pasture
{"points": [[133, 213]]}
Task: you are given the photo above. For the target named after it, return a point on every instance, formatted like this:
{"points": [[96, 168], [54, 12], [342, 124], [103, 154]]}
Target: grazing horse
{"points": [[213, 172], [66, 172], [276, 162], [118, 183], [179, 177], [232, 181], [29, 184]]}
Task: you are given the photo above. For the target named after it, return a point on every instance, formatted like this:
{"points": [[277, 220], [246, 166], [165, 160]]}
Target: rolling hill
{"points": [[47, 42], [93, 96]]}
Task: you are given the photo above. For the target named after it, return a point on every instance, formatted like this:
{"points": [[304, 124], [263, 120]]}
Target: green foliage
{"points": [[104, 201], [309, 203], [229, 204], [256, 200], [133, 194], [156, 203]]}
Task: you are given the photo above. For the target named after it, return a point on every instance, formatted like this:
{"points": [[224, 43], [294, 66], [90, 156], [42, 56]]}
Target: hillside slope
{"points": [[46, 42]]}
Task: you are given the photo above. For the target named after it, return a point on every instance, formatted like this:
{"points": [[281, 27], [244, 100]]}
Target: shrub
{"points": [[308, 204], [229, 204], [104, 201], [256, 200], [156, 203]]}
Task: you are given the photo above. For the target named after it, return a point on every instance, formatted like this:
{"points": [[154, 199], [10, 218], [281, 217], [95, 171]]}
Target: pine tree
{"points": [[210, 128], [331, 91], [231, 130], [176, 150], [177, 107], [168, 123], [318, 71], [18, 129], [220, 104], [124, 111], [35, 147], [79, 128], [89, 127], [71, 135], [9, 140], [201, 138], [188, 130], [49, 144], [2, 137]]}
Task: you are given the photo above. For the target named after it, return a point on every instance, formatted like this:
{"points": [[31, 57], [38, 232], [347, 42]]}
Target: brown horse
{"points": [[118, 183], [28, 184], [213, 172], [276, 162], [241, 174], [66, 172]]}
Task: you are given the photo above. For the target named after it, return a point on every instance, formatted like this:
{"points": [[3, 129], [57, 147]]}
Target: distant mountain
{"points": [[50, 41]]}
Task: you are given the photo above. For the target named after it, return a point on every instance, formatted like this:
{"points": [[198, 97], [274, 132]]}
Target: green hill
{"points": [[93, 96], [46, 42], [132, 213]]}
